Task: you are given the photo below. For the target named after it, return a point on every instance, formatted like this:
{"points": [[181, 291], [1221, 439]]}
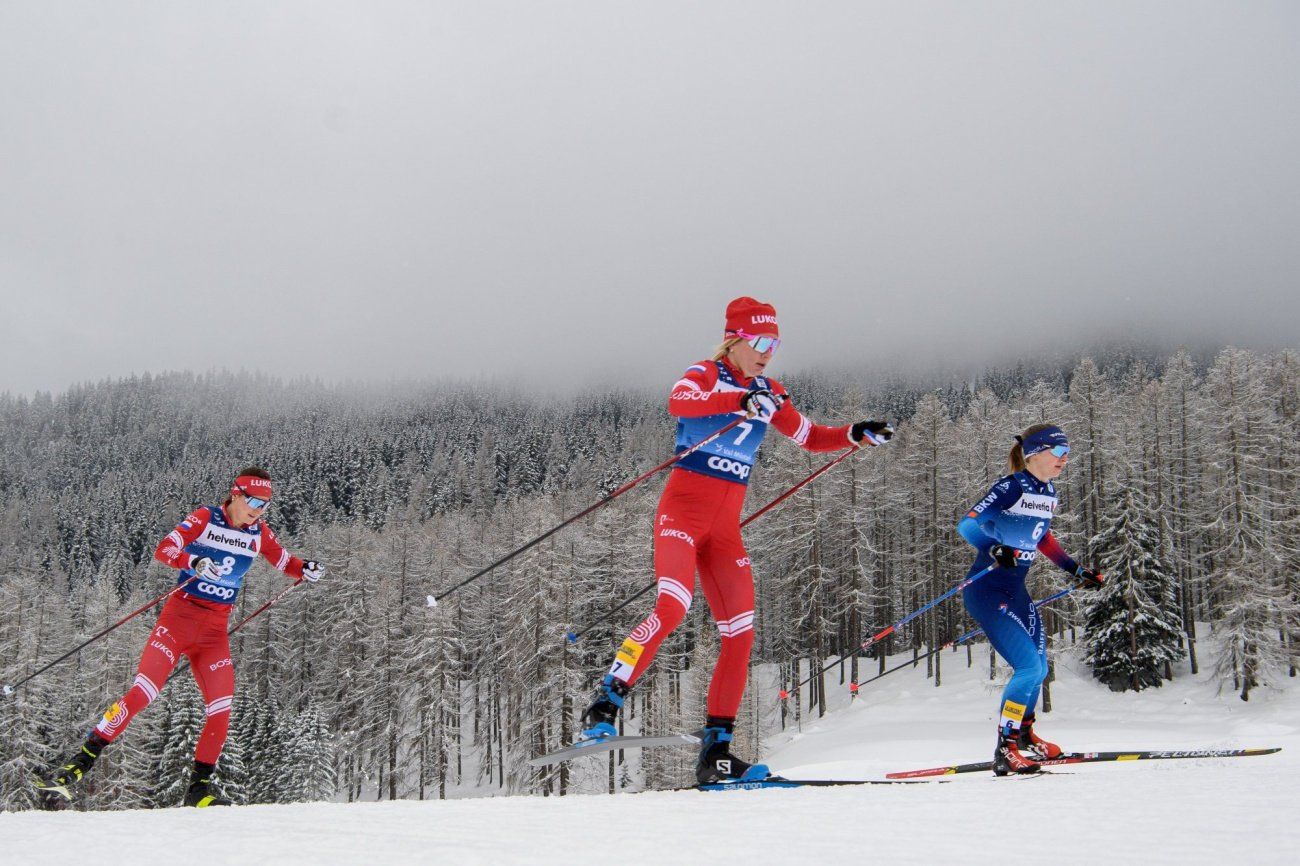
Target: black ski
{"points": [[53, 798], [1087, 758]]}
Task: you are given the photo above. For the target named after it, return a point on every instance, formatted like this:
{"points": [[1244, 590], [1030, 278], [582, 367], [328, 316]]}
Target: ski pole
{"points": [[275, 598], [888, 630], [243, 622], [573, 636], [9, 689], [957, 641], [800, 486], [610, 498]]}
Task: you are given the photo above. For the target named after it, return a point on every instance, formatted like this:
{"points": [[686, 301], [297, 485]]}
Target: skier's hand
{"points": [[760, 404], [1090, 579], [871, 432], [1003, 555], [204, 568], [312, 571]]}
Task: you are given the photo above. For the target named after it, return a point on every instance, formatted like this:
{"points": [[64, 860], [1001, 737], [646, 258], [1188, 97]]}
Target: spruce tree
{"points": [[310, 774], [1133, 628]]}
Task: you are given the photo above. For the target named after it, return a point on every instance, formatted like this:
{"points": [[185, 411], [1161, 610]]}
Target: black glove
{"points": [[1090, 579], [760, 403], [1003, 555], [312, 571], [874, 432]]}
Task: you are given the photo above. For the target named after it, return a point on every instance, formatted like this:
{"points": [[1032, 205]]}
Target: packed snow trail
{"points": [[1186, 812], [1242, 809]]}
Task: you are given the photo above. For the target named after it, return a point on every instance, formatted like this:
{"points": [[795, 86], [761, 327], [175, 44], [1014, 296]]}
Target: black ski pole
{"points": [[581, 514], [9, 689], [575, 635]]}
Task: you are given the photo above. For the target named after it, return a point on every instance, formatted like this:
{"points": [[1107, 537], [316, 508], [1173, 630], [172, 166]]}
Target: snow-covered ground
{"points": [[1193, 811]]}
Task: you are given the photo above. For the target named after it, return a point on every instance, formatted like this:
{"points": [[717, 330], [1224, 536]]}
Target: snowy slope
{"points": [[902, 721], [1159, 812]]}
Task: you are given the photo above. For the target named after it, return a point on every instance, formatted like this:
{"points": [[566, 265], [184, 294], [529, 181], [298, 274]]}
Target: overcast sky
{"points": [[566, 192]]}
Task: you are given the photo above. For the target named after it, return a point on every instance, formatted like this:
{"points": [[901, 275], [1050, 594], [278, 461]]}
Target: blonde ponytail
{"points": [[724, 348]]}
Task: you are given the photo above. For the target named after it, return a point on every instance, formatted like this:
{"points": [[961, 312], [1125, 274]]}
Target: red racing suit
{"points": [[194, 624], [697, 524]]}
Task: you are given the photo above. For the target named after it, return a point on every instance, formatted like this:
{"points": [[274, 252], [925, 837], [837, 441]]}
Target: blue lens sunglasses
{"points": [[761, 345], [256, 503]]}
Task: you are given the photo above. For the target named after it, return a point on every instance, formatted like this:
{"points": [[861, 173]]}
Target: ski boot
{"points": [[1035, 745], [601, 715], [201, 792], [717, 764], [56, 787], [1008, 758]]}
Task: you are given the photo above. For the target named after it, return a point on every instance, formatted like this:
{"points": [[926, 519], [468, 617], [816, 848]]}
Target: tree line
{"points": [[1182, 487]]}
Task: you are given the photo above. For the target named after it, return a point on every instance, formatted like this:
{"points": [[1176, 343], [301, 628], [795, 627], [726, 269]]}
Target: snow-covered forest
{"points": [[1182, 487]]}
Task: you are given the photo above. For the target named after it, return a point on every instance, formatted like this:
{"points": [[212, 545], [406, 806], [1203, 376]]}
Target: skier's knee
{"points": [[219, 706], [738, 633], [672, 602], [1025, 679], [146, 688]]}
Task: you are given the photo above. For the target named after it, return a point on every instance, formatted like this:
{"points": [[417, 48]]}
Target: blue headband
{"points": [[1048, 437]]}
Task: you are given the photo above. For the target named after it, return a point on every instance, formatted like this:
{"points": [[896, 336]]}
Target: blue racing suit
{"points": [[1016, 512]]}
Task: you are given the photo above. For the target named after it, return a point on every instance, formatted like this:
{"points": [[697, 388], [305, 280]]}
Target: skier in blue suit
{"points": [[1008, 528]]}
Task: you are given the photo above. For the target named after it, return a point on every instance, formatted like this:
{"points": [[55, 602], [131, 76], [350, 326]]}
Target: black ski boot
{"points": [[1009, 758], [717, 764], [202, 793], [599, 718], [56, 786]]}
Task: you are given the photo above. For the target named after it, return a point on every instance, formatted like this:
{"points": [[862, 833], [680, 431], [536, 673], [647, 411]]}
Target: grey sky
{"points": [[567, 192]]}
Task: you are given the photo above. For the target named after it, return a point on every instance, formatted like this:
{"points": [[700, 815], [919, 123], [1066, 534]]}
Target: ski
{"points": [[1088, 758], [609, 744], [779, 782]]}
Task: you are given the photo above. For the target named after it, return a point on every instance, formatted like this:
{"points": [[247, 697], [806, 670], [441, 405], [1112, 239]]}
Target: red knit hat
{"points": [[751, 316]]}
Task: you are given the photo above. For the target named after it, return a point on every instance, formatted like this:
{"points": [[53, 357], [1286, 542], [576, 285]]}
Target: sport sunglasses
{"points": [[254, 502], [1059, 450], [761, 345]]}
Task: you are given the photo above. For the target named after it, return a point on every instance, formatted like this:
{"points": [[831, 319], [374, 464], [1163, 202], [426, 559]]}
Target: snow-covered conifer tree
{"points": [[1133, 628]]}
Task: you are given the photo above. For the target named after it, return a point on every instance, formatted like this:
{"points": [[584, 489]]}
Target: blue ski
{"points": [[609, 744], [779, 782]]}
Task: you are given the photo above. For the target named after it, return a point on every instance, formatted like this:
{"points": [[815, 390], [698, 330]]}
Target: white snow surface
{"points": [[1184, 811]]}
